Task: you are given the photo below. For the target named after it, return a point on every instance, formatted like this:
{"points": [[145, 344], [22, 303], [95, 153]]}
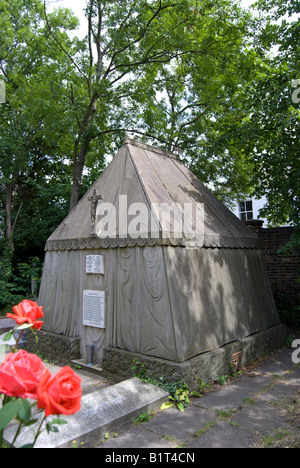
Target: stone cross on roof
{"points": [[94, 203]]}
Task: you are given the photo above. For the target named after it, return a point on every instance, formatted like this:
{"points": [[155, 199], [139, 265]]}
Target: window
{"points": [[246, 210]]}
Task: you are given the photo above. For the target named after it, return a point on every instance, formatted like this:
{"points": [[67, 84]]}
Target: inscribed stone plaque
{"points": [[94, 308], [94, 264]]}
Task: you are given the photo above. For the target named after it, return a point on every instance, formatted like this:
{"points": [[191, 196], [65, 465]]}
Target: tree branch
{"points": [[138, 39], [130, 130]]}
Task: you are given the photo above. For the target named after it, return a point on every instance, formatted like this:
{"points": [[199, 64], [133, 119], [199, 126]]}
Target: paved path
{"points": [[237, 415]]}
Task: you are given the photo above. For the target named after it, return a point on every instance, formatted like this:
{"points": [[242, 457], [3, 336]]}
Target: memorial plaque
{"points": [[94, 308], [94, 264]]}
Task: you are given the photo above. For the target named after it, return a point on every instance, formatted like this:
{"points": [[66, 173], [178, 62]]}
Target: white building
{"points": [[249, 209]]}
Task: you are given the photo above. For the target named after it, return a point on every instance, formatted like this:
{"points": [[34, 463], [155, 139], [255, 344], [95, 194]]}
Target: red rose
{"points": [[60, 393], [20, 374], [28, 312]]}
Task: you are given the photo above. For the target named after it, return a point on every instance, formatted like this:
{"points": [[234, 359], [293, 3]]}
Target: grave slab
{"points": [[6, 324], [102, 411]]}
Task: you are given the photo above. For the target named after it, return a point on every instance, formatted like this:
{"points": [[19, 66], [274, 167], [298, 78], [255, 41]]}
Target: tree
{"points": [[185, 103], [133, 42], [265, 124], [34, 128]]}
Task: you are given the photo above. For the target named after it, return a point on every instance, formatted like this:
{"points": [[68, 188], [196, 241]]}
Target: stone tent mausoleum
{"points": [[136, 287]]}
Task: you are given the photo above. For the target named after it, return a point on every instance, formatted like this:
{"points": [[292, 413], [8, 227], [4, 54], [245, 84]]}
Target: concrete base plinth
{"points": [[206, 366]]}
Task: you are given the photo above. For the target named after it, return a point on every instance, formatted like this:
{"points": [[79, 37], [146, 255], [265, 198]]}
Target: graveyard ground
{"points": [[287, 406]]}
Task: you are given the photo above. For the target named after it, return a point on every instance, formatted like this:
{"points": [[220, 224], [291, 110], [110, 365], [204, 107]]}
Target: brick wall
{"points": [[282, 269]]}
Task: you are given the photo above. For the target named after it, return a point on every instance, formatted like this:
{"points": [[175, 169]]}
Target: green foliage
{"points": [[139, 370], [8, 297], [179, 394], [19, 409], [288, 314], [263, 123], [144, 417], [18, 285], [178, 390], [15, 407], [35, 128], [203, 386], [51, 426], [182, 104], [156, 69], [221, 380], [289, 340]]}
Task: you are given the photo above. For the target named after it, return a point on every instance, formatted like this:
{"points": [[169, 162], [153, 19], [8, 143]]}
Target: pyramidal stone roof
{"points": [[144, 182]]}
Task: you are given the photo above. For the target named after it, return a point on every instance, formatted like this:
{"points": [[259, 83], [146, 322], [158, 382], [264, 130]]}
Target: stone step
{"points": [[103, 411]]}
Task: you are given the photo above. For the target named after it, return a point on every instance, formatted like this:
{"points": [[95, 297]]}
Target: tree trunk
{"points": [[6, 263], [78, 166], [8, 208], [76, 185]]}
